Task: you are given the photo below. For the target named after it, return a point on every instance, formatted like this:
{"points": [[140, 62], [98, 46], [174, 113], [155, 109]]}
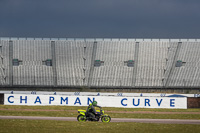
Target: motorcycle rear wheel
{"points": [[81, 118]]}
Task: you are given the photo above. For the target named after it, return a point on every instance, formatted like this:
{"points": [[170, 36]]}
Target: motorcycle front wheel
{"points": [[105, 119]]}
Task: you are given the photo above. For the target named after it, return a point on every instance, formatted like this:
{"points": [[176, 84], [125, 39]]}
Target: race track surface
{"points": [[164, 121]]}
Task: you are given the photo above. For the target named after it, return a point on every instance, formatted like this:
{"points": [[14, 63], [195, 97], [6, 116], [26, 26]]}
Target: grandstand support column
{"points": [[171, 71], [92, 63], [53, 52], [135, 64], [10, 63], [84, 60]]}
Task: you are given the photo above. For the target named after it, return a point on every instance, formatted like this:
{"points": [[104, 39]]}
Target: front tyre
{"points": [[106, 119], [81, 118]]}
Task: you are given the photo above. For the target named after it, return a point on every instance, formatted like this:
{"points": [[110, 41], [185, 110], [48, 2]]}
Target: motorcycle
{"points": [[99, 115]]}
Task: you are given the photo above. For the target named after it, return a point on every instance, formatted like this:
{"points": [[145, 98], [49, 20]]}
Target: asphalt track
{"points": [[163, 121]]}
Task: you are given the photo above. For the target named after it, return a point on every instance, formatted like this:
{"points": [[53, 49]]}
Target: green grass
{"points": [[157, 116], [69, 111], [44, 126], [42, 107], [38, 113], [105, 108], [153, 110]]}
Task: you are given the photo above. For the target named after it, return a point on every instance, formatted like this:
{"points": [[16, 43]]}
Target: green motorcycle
{"points": [[83, 116]]}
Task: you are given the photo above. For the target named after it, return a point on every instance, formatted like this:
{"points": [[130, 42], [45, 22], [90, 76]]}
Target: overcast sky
{"points": [[100, 18]]}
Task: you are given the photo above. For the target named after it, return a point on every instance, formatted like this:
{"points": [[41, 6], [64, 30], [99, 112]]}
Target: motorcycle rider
{"points": [[91, 110]]}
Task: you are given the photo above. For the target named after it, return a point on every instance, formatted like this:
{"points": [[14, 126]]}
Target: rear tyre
{"points": [[106, 119], [81, 118]]}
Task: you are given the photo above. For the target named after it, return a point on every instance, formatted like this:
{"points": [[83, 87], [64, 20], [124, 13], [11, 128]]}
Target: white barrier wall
{"points": [[104, 101]]}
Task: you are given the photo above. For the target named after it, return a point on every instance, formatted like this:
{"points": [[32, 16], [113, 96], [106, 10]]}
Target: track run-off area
{"points": [[164, 121]]}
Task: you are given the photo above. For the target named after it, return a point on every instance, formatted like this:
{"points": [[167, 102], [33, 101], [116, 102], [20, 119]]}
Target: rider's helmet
{"points": [[94, 103]]}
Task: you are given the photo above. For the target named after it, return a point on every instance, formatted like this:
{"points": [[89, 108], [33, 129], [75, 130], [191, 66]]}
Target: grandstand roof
{"points": [[104, 39]]}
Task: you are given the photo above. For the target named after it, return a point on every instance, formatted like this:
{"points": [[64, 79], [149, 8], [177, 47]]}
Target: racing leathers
{"points": [[91, 111]]}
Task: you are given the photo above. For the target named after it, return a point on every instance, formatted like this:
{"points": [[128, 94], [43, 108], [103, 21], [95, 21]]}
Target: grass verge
{"points": [[105, 108], [44, 126]]}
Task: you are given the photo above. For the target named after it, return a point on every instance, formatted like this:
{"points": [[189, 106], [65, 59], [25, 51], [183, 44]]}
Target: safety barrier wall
{"points": [[193, 102], [104, 101]]}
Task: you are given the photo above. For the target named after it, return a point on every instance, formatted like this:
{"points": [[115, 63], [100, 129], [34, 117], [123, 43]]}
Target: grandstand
{"points": [[100, 63]]}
